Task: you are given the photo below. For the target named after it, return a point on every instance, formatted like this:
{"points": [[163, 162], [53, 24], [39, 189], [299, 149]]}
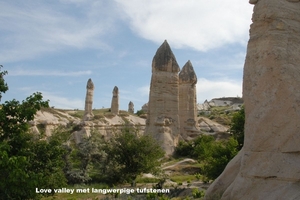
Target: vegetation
{"points": [[212, 155], [132, 155], [26, 162], [237, 127], [29, 161]]}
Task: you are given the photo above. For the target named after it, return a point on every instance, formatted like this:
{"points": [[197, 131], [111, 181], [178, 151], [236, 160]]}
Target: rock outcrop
{"points": [[88, 108], [188, 102], [46, 121], [267, 167], [115, 101], [163, 107], [131, 107]]}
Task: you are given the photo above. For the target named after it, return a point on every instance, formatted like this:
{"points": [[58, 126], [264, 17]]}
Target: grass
{"points": [[183, 178]]}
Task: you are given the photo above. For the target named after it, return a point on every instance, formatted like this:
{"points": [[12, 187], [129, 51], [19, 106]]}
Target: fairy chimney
{"points": [[131, 107], [163, 120], [115, 101], [188, 102], [88, 113]]}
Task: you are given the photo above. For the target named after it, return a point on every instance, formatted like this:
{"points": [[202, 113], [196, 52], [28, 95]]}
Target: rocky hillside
{"points": [[106, 123]]}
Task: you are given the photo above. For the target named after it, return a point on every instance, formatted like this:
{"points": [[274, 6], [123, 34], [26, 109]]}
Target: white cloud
{"points": [[199, 24], [56, 99], [63, 102], [144, 90], [22, 72], [29, 29], [209, 89]]}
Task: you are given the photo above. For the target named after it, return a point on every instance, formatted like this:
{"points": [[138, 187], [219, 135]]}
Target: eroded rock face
{"points": [[115, 101], [163, 107], [188, 102], [268, 164], [88, 113]]}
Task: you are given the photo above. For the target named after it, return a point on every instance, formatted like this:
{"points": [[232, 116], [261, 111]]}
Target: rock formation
{"points": [[145, 108], [163, 120], [115, 101], [131, 107], [188, 101], [268, 165], [88, 113]]}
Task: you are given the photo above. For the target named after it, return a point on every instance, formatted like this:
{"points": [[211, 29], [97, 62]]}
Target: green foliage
{"points": [[3, 85], [216, 156], [129, 155], [237, 127], [140, 112], [198, 176], [184, 149], [26, 162], [212, 155], [198, 193], [84, 160]]}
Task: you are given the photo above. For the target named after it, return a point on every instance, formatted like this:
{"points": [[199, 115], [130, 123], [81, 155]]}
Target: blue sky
{"points": [[55, 46]]}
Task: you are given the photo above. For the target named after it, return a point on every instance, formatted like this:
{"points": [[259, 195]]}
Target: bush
{"points": [[198, 193], [184, 149], [129, 155], [237, 127], [212, 155], [216, 157]]}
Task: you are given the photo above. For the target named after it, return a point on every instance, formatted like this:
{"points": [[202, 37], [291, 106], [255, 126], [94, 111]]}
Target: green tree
{"points": [[3, 85], [83, 161], [26, 162], [216, 156], [237, 127], [129, 155], [212, 155]]}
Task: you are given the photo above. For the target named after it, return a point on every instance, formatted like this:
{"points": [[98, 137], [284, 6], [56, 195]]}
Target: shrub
{"points": [[198, 193], [212, 155], [216, 157], [237, 127]]}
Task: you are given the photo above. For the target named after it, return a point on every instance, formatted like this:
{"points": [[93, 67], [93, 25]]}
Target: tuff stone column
{"points": [[115, 101], [163, 107], [188, 101], [88, 113], [131, 107], [268, 165]]}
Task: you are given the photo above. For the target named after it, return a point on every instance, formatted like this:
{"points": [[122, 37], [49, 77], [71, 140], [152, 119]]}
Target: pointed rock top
{"points": [[90, 84], [164, 59], [187, 74], [116, 90]]}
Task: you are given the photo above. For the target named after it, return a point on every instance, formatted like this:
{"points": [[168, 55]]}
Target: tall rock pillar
{"points": [[115, 101], [188, 101], [268, 166], [163, 107], [88, 113], [131, 107]]}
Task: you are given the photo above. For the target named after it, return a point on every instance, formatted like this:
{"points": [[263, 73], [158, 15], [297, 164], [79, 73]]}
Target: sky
{"points": [[55, 46]]}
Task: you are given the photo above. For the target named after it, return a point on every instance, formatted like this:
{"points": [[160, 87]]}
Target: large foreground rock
{"points": [[268, 167]]}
